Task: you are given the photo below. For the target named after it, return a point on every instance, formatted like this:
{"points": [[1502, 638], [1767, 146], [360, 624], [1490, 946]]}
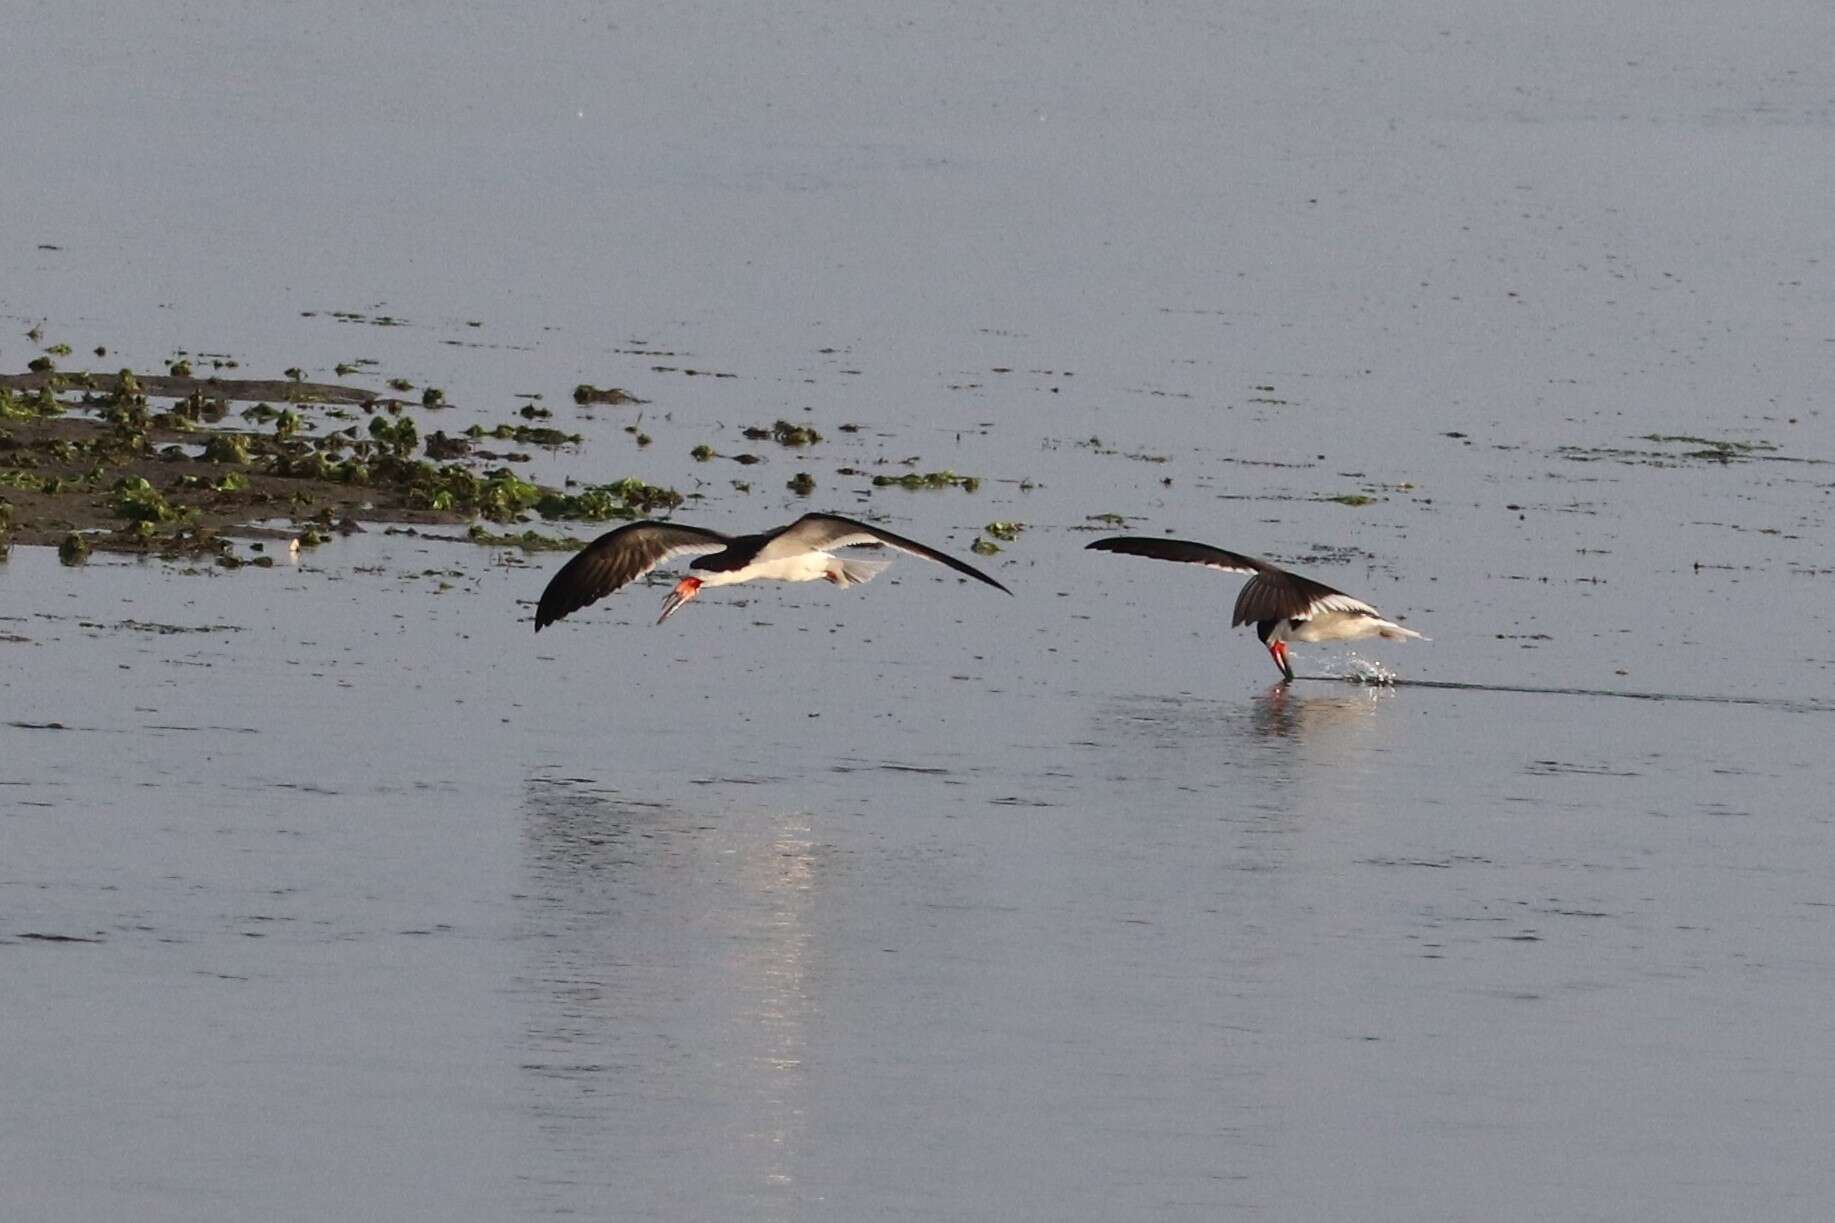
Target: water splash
{"points": [[1361, 670]]}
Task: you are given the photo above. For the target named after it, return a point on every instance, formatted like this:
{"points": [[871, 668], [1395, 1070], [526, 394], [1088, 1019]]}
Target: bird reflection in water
{"points": [[1227, 730], [1281, 713]]}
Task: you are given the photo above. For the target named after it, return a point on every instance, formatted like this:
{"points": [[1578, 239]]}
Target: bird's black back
{"points": [[738, 553]]}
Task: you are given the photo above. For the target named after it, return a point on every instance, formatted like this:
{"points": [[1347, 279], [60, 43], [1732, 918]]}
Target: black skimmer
{"points": [[796, 553], [1283, 606]]}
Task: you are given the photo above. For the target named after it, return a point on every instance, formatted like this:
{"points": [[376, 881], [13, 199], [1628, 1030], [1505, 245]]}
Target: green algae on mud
{"points": [[527, 541], [92, 458]]}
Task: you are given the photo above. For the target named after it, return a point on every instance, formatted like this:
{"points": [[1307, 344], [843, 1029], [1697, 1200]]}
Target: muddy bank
{"points": [[176, 465]]}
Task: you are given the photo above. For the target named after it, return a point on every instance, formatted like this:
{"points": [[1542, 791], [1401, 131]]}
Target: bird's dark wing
{"points": [[1185, 551], [1288, 596], [821, 532], [1271, 594], [615, 558]]}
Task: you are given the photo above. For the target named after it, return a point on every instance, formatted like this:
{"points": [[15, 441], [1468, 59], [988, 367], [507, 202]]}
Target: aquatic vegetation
{"points": [[18, 407], [74, 549], [138, 501], [784, 433], [25, 481], [586, 393], [627, 499], [929, 480], [528, 541], [1723, 450], [984, 547], [802, 484], [1006, 532], [195, 407], [442, 448], [702, 453], [500, 495], [229, 482], [397, 436], [1352, 499], [527, 435], [227, 448], [1706, 449]]}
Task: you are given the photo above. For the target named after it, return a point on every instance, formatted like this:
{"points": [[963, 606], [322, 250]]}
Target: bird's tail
{"points": [[1395, 632], [853, 572]]}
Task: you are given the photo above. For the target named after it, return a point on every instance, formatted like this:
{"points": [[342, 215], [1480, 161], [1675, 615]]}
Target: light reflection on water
{"points": [[673, 973]]}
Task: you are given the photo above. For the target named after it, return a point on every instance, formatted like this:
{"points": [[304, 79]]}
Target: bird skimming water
{"points": [[799, 552], [1283, 606]]}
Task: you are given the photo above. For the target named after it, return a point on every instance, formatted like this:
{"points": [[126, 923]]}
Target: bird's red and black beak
{"points": [[685, 590], [1279, 650]]}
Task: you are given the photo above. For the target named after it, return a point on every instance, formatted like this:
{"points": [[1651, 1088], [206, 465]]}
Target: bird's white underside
{"points": [[802, 567], [1332, 625]]}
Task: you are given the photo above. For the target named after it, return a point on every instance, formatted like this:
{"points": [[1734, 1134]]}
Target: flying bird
{"points": [[1283, 606], [800, 552]]}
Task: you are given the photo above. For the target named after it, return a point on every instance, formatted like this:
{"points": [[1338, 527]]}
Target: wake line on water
{"points": [[1781, 703]]}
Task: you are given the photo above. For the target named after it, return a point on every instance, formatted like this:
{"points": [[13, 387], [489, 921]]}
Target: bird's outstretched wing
{"points": [[1271, 594], [615, 558], [821, 532], [1184, 551]]}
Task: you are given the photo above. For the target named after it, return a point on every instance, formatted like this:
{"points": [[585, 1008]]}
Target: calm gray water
{"points": [[329, 891]]}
